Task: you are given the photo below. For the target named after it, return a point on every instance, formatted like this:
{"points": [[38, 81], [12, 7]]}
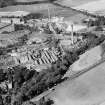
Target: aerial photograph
{"points": [[52, 52]]}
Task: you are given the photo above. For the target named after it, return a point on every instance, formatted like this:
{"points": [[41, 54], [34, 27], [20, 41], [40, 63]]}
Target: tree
{"points": [[2, 75], [1, 100]]}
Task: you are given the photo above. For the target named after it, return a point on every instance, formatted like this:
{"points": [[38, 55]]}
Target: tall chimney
{"points": [[72, 33], [49, 13]]}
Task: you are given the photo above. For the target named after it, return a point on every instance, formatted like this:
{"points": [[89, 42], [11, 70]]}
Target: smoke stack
{"points": [[49, 13], [72, 33]]}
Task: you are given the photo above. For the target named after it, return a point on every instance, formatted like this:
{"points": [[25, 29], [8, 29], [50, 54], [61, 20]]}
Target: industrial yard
{"points": [[52, 52]]}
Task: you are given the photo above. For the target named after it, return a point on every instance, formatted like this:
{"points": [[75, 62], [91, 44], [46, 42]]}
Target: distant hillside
{"points": [[4, 3], [31, 0]]}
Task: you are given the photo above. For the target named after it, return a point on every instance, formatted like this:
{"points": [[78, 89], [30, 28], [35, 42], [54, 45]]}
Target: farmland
{"points": [[72, 3], [10, 39], [69, 14], [83, 90], [92, 6]]}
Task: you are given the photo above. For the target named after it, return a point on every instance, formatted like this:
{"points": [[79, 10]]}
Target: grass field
{"points": [[92, 6], [11, 38], [100, 12], [88, 89], [3, 24], [30, 8], [87, 59], [74, 2], [15, 13], [43, 9], [38, 8]]}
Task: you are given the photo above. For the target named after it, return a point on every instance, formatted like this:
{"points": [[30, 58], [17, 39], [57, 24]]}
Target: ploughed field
{"points": [[88, 89]]}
